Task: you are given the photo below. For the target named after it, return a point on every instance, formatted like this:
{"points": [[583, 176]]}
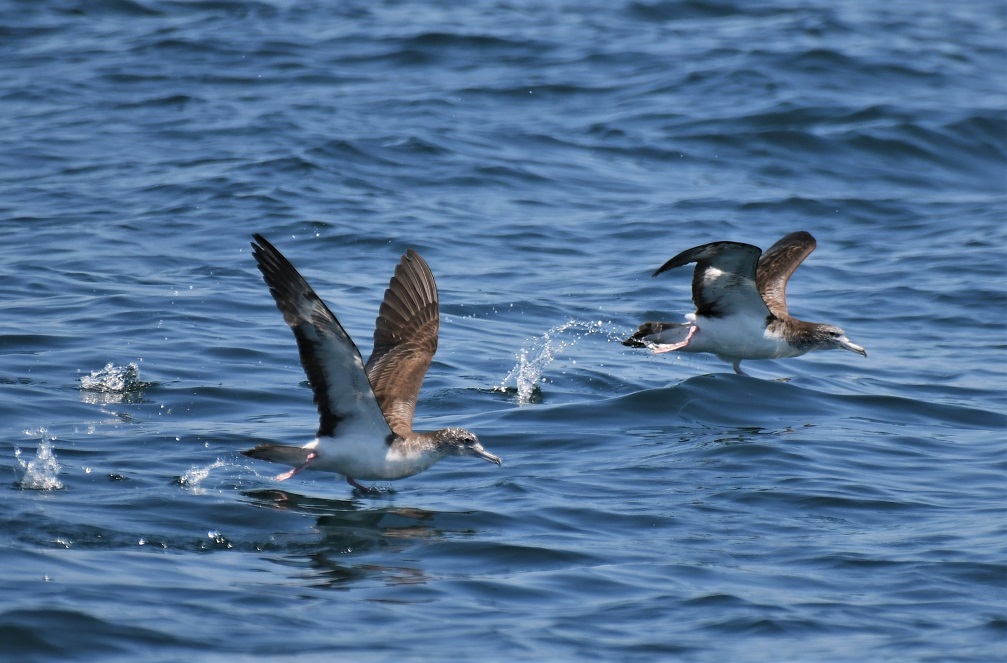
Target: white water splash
{"points": [[42, 471], [112, 378], [537, 355], [193, 479], [112, 384]]}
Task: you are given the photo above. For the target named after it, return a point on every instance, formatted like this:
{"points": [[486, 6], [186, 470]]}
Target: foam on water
{"points": [[42, 471]]}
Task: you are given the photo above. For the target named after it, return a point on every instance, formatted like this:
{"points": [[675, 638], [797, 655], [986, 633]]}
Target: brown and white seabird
{"points": [[365, 411], [741, 305]]}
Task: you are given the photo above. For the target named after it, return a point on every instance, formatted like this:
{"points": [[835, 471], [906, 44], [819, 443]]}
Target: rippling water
{"points": [[545, 158]]}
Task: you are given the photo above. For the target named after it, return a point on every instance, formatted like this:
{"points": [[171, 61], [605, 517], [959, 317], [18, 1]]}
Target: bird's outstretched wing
{"points": [[405, 340], [723, 282], [777, 265], [331, 361]]}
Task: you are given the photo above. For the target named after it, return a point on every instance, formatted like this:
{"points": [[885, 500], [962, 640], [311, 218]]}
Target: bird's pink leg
{"points": [[737, 367], [362, 488], [286, 475], [658, 348]]}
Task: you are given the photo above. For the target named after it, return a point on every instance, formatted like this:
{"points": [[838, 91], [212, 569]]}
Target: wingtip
{"points": [[258, 241], [803, 235], [413, 256], [682, 259], [664, 268], [706, 252]]}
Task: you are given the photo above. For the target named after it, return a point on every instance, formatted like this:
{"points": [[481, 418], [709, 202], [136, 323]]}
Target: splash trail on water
{"points": [[539, 353]]}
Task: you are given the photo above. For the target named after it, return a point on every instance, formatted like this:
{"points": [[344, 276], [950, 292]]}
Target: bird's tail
{"points": [[279, 453], [659, 333]]}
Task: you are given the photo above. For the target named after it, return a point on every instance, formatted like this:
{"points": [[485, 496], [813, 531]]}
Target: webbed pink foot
{"points": [[658, 348], [286, 475]]}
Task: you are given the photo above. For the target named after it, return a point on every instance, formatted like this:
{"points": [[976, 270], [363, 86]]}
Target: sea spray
{"points": [[42, 471], [537, 354], [113, 384]]}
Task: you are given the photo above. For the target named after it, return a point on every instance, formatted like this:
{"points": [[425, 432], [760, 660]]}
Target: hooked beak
{"points": [[479, 452], [847, 344]]}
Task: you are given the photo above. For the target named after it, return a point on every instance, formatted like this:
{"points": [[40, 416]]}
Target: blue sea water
{"points": [[544, 158]]}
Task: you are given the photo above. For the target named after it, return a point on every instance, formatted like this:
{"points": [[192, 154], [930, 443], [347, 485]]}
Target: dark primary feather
{"points": [[331, 361], [776, 267], [405, 340], [732, 288]]}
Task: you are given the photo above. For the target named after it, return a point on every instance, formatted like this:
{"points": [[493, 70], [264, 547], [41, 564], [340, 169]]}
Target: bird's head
{"points": [[834, 337], [460, 442]]}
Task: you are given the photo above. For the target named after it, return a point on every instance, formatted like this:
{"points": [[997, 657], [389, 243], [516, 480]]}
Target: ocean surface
{"points": [[545, 159]]}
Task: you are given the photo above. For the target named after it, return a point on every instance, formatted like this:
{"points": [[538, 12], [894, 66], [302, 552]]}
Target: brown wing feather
{"points": [[405, 340], [777, 265]]}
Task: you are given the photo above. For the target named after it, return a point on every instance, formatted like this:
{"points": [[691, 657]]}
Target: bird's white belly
{"points": [[739, 337], [366, 458]]}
